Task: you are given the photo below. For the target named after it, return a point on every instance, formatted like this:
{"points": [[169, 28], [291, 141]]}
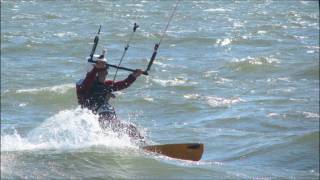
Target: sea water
{"points": [[242, 77]]}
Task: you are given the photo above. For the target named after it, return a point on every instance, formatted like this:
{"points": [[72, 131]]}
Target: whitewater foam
{"points": [[213, 100], [56, 89], [68, 129], [223, 42], [173, 82], [222, 102], [311, 115], [216, 10]]}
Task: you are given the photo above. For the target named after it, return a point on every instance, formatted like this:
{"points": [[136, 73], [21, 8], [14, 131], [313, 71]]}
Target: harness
{"points": [[98, 100]]}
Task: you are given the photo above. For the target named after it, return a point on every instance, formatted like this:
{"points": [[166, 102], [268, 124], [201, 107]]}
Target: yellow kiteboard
{"points": [[188, 151]]}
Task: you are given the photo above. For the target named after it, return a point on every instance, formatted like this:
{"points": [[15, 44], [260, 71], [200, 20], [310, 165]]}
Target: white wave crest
{"points": [[258, 60], [273, 114], [62, 34], [191, 96], [210, 73], [69, 129], [216, 10], [148, 99], [310, 115], [214, 101], [23, 104], [222, 102], [262, 32], [223, 42], [56, 89], [173, 82]]}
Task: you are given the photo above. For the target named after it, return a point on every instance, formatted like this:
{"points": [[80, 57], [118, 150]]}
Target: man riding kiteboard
{"points": [[94, 93]]}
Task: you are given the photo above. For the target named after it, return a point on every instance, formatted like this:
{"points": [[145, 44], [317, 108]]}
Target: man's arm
{"points": [[119, 85]]}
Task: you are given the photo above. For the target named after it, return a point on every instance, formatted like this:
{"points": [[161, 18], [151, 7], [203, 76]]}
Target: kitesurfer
{"points": [[94, 93]]}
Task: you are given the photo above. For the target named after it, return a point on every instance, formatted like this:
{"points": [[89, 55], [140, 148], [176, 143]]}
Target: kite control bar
{"points": [[96, 40]]}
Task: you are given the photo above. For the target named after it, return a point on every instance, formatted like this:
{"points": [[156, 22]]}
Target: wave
{"points": [[221, 102], [307, 138], [61, 89], [70, 134], [214, 101], [24, 17], [290, 145], [172, 82], [223, 42], [311, 115], [68, 129], [252, 64], [311, 71], [246, 40], [65, 34], [217, 10]]}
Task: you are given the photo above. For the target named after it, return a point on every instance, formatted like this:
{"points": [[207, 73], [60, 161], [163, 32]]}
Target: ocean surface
{"points": [[242, 77]]}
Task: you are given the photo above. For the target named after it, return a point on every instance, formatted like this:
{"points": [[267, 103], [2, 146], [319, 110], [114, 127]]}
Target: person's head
{"points": [[102, 66]]}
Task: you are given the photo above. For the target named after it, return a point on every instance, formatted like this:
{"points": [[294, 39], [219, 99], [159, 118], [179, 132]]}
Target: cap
{"points": [[96, 57], [102, 56]]}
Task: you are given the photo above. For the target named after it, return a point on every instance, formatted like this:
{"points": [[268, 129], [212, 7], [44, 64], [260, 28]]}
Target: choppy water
{"points": [[242, 77]]}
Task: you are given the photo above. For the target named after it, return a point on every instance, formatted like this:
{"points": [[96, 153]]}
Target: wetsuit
{"points": [[95, 96]]}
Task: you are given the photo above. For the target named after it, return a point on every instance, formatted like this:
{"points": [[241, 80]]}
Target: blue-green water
{"points": [[242, 77]]}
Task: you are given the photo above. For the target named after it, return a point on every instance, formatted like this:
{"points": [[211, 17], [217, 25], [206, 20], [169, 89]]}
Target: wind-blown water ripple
{"points": [[242, 77]]}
